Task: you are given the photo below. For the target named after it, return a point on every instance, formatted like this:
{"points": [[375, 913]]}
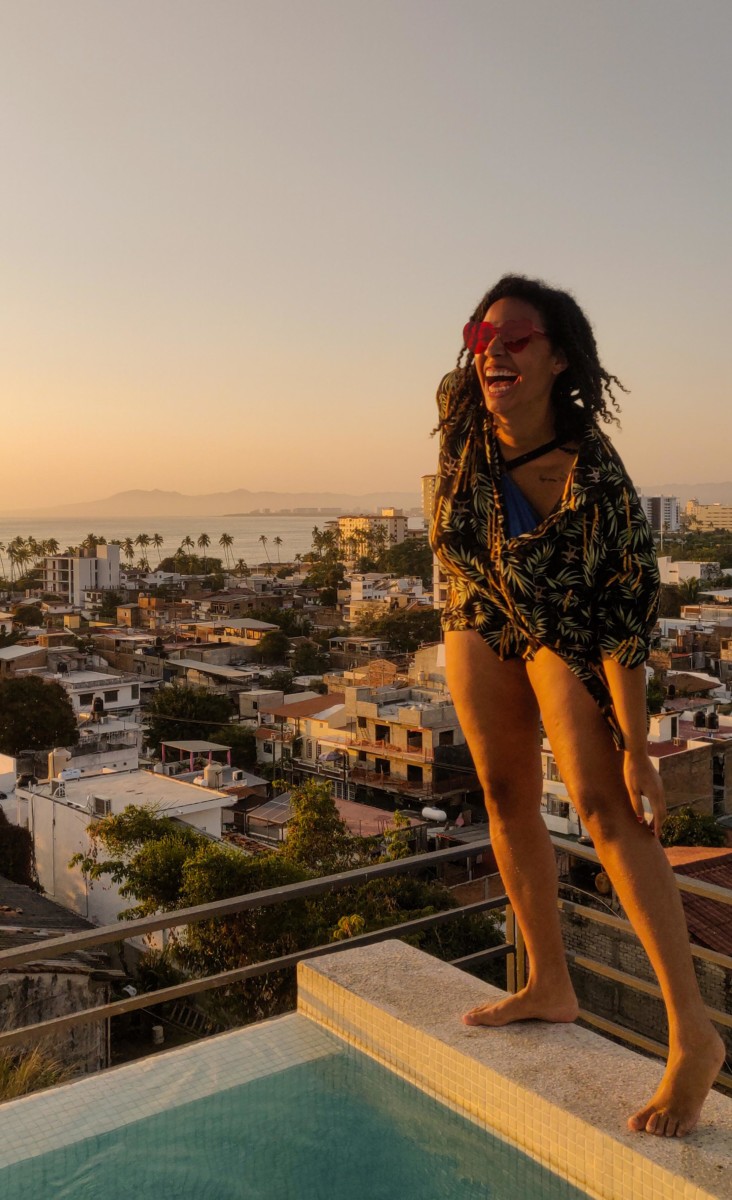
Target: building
{"points": [[59, 812], [358, 532], [708, 517], [663, 513], [72, 576], [677, 572], [688, 768], [390, 746], [374, 593], [429, 484]]}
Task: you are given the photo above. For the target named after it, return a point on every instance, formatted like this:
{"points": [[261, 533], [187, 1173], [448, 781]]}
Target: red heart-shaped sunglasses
{"points": [[513, 335]]}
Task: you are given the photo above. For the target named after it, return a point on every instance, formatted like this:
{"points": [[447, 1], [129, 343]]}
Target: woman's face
{"points": [[522, 379]]}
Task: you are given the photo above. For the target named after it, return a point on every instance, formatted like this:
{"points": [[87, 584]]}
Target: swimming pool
{"points": [[278, 1111]]}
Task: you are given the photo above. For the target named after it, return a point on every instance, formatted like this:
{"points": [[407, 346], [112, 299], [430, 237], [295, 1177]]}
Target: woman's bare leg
{"points": [[499, 716], [592, 770]]}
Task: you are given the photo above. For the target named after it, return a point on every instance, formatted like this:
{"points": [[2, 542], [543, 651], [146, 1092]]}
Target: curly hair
{"points": [[582, 394]]}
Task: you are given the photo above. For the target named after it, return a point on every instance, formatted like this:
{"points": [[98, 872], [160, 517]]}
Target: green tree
{"points": [[317, 836], [162, 866], [180, 713], [274, 647], [35, 715], [654, 695], [108, 608], [309, 660], [686, 827], [17, 861], [28, 614], [405, 631], [242, 742], [410, 557], [203, 543]]}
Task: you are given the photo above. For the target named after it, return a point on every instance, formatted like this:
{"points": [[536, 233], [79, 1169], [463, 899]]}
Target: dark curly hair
{"points": [[582, 394]]}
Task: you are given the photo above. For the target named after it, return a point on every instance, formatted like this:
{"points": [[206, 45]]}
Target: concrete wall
{"points": [[28, 998]]}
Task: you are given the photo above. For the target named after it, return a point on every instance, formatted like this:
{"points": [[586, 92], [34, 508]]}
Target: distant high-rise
{"points": [[662, 512], [428, 497]]}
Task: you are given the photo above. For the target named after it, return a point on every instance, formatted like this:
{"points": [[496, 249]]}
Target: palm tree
{"points": [[264, 539], [143, 541], [278, 542], [241, 567], [204, 541], [128, 547], [157, 541], [51, 546], [226, 541], [188, 544]]}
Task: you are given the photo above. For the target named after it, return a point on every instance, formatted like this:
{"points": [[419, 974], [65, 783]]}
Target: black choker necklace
{"points": [[529, 456]]}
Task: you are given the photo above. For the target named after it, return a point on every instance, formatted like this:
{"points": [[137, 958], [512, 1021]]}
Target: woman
{"points": [[553, 593]]}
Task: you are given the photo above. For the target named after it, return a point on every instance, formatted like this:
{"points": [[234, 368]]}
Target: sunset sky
{"points": [[241, 238]]}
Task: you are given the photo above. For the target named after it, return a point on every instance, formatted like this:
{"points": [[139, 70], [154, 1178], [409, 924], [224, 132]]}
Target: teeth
{"points": [[500, 374]]}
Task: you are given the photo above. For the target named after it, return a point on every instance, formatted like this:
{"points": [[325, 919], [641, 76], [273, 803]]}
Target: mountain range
{"points": [[156, 503]]}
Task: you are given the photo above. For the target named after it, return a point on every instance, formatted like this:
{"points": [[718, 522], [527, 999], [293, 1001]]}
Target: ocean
{"points": [[296, 534]]}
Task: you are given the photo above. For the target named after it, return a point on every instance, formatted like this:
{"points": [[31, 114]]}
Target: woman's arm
{"points": [[628, 691]]}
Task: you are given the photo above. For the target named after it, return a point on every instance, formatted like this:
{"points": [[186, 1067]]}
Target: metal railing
{"points": [[512, 950], [140, 927]]}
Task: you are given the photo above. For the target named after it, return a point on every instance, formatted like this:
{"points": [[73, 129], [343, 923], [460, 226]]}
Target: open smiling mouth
{"points": [[500, 384]]}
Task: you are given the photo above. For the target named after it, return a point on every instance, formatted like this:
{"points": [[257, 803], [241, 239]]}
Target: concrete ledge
{"points": [[561, 1093]]}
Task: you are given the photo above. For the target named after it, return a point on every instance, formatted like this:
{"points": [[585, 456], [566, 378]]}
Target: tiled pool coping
{"points": [[97, 1104], [559, 1092]]}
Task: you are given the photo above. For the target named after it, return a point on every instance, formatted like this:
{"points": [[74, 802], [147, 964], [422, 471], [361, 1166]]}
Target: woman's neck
{"points": [[523, 431]]}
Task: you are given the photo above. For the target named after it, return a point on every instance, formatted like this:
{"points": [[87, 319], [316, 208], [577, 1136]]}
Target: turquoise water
{"points": [[337, 1127]]}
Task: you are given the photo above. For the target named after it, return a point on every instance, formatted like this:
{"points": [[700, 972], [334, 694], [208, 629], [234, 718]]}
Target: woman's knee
{"points": [[602, 812], [509, 796]]}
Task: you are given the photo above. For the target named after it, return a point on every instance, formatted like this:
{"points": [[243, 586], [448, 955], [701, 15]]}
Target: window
{"points": [[267, 748], [309, 748], [447, 737], [135, 691], [111, 696], [556, 807], [86, 697]]}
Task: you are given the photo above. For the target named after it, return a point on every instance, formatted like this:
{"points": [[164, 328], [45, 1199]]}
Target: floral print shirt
{"points": [[584, 582]]}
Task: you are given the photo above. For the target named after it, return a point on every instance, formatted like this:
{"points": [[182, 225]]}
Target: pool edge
{"points": [[557, 1092]]}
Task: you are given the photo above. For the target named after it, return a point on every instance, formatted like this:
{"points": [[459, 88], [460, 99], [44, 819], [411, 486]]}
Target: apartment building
{"points": [[663, 512], [429, 485], [394, 746], [707, 517], [391, 522], [72, 576]]}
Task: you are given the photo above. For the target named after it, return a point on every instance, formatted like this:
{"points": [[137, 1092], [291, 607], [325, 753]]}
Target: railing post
{"points": [[511, 927], [516, 959]]}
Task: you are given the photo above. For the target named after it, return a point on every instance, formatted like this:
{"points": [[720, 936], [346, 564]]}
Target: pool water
{"points": [[337, 1126]]}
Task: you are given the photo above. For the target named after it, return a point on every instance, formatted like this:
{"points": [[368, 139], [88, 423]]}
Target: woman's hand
{"points": [[642, 779]]}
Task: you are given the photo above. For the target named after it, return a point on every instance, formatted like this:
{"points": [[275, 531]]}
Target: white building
{"points": [[59, 812], [71, 576], [677, 572], [663, 512]]}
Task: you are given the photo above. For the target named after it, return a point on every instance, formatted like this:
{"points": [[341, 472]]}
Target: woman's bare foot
{"points": [[674, 1109], [530, 1004]]}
